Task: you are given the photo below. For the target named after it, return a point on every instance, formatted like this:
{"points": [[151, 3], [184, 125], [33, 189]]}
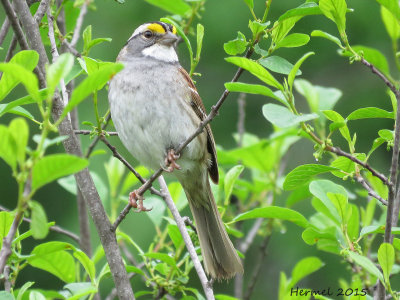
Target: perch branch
{"points": [[208, 291]]}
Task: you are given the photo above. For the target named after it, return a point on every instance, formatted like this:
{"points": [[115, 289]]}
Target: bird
{"points": [[155, 107]]}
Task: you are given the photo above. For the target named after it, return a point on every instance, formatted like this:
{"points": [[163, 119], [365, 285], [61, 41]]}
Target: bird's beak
{"points": [[168, 39]]}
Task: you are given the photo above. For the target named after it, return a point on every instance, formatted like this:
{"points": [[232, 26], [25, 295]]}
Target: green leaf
{"points": [[5, 108], [87, 37], [163, 257], [282, 117], [8, 147], [336, 11], [23, 289], [231, 176], [346, 165], [257, 28], [6, 220], [302, 174], [251, 89], [303, 268], [52, 167], [249, 3], [39, 221], [6, 295], [92, 83], [87, 263], [325, 35], [79, 290], [20, 111], [282, 28], [274, 212], [392, 6], [199, 40], [236, 46], [293, 72], [391, 23], [370, 113], [136, 270], [255, 69], [58, 70], [372, 55], [35, 295], [277, 64], [175, 235], [367, 264], [386, 260], [158, 210], [178, 7], [293, 40], [340, 203], [19, 130], [305, 9], [337, 118], [312, 235], [53, 258], [28, 59], [320, 189], [17, 74]]}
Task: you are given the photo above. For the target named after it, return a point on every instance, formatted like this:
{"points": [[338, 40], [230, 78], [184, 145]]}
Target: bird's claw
{"points": [[136, 201], [170, 161]]}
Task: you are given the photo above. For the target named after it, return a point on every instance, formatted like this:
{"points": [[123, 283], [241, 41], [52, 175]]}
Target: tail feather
{"points": [[220, 258]]}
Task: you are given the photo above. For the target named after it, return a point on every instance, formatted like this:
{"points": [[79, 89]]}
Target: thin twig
{"points": [[71, 49], [189, 223], [4, 30], [128, 165], [258, 267], [365, 165], [7, 283], [371, 192], [10, 51], [244, 246], [88, 132], [79, 23], [97, 138], [241, 118], [5, 251], [43, 6], [208, 291]]}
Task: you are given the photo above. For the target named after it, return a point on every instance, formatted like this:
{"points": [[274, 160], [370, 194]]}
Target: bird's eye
{"points": [[147, 34]]}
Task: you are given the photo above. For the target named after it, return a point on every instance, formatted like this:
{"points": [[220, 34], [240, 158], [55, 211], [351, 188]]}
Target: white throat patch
{"points": [[161, 52]]}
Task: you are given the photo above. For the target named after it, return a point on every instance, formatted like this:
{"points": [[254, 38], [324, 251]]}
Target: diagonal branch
{"points": [[83, 178], [4, 30], [208, 291], [79, 23]]}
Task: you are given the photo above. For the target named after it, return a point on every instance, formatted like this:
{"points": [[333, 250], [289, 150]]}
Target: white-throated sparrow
{"points": [[155, 107]]}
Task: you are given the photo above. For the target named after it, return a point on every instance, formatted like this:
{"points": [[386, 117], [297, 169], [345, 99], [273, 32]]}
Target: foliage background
{"points": [[222, 18]]}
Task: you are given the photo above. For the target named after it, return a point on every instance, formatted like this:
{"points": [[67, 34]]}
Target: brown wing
{"points": [[200, 111]]}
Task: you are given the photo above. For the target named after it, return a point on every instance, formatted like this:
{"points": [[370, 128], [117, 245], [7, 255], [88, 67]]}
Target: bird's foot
{"points": [[170, 161], [136, 201]]}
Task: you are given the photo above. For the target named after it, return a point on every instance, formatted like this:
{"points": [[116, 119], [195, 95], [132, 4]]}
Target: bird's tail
{"points": [[220, 258]]}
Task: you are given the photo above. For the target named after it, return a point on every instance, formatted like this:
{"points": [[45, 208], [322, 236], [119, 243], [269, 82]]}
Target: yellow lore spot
{"points": [[156, 28], [173, 29]]}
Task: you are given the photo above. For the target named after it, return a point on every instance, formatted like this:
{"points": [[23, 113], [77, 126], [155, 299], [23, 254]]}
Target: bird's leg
{"points": [[170, 161], [136, 201]]}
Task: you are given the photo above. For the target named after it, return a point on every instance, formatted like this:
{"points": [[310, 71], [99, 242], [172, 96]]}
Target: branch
{"points": [[365, 165], [126, 163], [87, 132], [5, 251], [208, 291], [54, 228], [371, 192], [213, 113], [256, 273], [11, 49], [43, 6], [79, 22], [4, 30], [83, 178]]}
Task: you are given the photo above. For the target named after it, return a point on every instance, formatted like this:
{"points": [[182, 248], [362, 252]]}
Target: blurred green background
{"points": [[222, 19]]}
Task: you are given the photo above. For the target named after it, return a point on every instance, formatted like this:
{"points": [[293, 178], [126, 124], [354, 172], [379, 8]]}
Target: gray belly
{"points": [[152, 117]]}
